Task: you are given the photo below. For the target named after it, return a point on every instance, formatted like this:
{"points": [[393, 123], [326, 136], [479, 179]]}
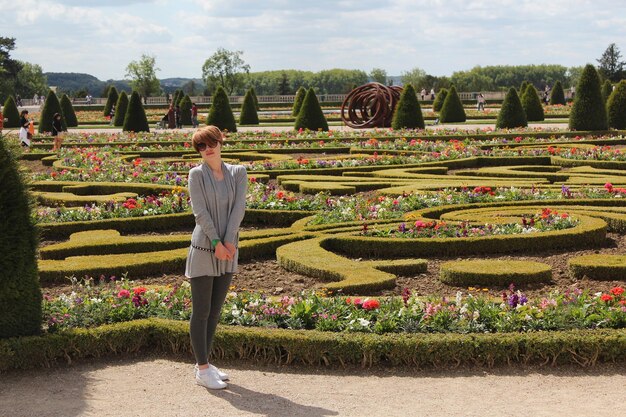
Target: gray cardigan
{"points": [[204, 203]]}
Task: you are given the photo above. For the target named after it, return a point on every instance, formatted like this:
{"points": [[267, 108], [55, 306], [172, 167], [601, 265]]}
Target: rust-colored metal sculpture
{"points": [[370, 105]]}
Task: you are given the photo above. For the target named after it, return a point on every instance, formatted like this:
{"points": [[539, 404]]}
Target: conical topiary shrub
{"points": [[185, 110], [311, 116], [178, 97], [532, 104], [616, 106], [11, 113], [408, 113], [68, 111], [248, 114], [557, 96], [220, 113], [120, 109], [607, 89], [439, 99], [297, 103], [50, 107], [20, 294], [135, 119], [523, 87], [511, 113], [256, 100], [588, 111], [111, 100], [452, 110]]}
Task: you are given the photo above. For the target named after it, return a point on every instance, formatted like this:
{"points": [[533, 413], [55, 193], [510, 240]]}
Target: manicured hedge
{"points": [[600, 267], [452, 109], [314, 348], [408, 113], [494, 272]]}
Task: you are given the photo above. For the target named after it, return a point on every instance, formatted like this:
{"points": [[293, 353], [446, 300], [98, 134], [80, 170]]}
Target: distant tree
{"points": [[607, 89], [120, 109], [220, 113], [225, 68], [142, 74], [190, 87], [379, 75], [135, 119], [610, 64], [30, 80], [588, 111], [310, 115], [416, 77], [9, 68], [616, 107], [408, 113], [69, 115], [284, 89]]}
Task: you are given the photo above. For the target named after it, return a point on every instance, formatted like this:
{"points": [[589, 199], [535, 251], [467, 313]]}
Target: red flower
{"points": [[370, 304], [123, 294], [252, 179], [608, 186], [280, 195], [617, 291], [139, 290], [348, 300], [606, 298], [357, 302]]}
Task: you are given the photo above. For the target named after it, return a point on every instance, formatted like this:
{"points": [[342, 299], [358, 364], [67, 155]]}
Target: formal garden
{"points": [[398, 245]]}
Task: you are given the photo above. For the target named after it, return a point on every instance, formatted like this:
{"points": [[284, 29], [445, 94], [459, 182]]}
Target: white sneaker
{"points": [[223, 375], [210, 379]]}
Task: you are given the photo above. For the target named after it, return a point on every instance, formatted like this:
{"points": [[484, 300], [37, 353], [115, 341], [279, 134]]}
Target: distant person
{"points": [[112, 114], [18, 100], [57, 131], [42, 100], [24, 124], [178, 117], [171, 117], [432, 93], [480, 102], [423, 93], [194, 115], [35, 99]]}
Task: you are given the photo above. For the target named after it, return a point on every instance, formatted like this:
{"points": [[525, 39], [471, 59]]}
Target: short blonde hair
{"points": [[211, 135]]}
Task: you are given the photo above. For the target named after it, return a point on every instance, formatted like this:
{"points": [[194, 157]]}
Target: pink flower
{"points": [[370, 304], [123, 294]]}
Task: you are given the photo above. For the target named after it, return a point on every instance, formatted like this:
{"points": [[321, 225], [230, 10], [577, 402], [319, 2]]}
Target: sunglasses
{"points": [[201, 147]]}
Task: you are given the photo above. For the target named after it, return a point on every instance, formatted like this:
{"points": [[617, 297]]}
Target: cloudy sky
{"points": [[439, 36]]}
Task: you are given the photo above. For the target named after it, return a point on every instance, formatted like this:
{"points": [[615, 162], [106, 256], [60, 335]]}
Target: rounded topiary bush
{"points": [[607, 89], [20, 294], [111, 100], [68, 111], [185, 110], [311, 116], [439, 99], [589, 110], [532, 104], [558, 95], [120, 109], [50, 107], [452, 110], [297, 103], [494, 272], [511, 113], [248, 115], [135, 119], [616, 107], [221, 114], [11, 113], [408, 113]]}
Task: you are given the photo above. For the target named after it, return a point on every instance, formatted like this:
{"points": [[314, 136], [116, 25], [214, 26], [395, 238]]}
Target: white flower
{"points": [[476, 315], [363, 322], [96, 300], [235, 312]]}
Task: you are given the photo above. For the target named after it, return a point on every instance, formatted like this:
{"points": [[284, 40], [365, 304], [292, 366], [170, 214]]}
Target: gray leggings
{"points": [[207, 297]]}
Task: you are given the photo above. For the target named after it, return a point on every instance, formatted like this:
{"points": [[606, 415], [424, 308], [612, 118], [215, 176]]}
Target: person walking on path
{"points": [[423, 93], [432, 93], [171, 117], [194, 115], [57, 131], [112, 114], [178, 117], [480, 102], [218, 201], [24, 124]]}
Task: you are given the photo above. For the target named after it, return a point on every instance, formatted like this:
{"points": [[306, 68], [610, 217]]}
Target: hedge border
{"points": [[493, 272], [600, 267]]}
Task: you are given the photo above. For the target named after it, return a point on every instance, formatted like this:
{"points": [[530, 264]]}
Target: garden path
{"points": [[165, 387]]}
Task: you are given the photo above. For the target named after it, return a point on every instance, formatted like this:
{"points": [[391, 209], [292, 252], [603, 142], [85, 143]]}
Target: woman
{"points": [[218, 201], [171, 119], [24, 123], [57, 131]]}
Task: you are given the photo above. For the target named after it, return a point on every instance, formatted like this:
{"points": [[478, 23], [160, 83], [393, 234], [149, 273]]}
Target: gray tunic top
{"points": [[218, 207]]}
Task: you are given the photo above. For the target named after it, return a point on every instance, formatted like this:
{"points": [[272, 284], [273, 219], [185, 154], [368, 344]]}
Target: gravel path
{"points": [[163, 387]]}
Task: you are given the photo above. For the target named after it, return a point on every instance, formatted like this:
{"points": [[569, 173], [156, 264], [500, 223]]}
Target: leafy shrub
{"points": [[68, 111], [297, 103], [311, 116], [511, 113], [111, 100], [120, 109], [616, 107], [523, 87], [10, 112], [607, 89], [532, 104], [185, 110], [221, 114], [50, 107], [248, 115], [557, 96], [135, 119], [452, 110], [588, 111], [408, 113], [441, 97], [20, 294]]}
